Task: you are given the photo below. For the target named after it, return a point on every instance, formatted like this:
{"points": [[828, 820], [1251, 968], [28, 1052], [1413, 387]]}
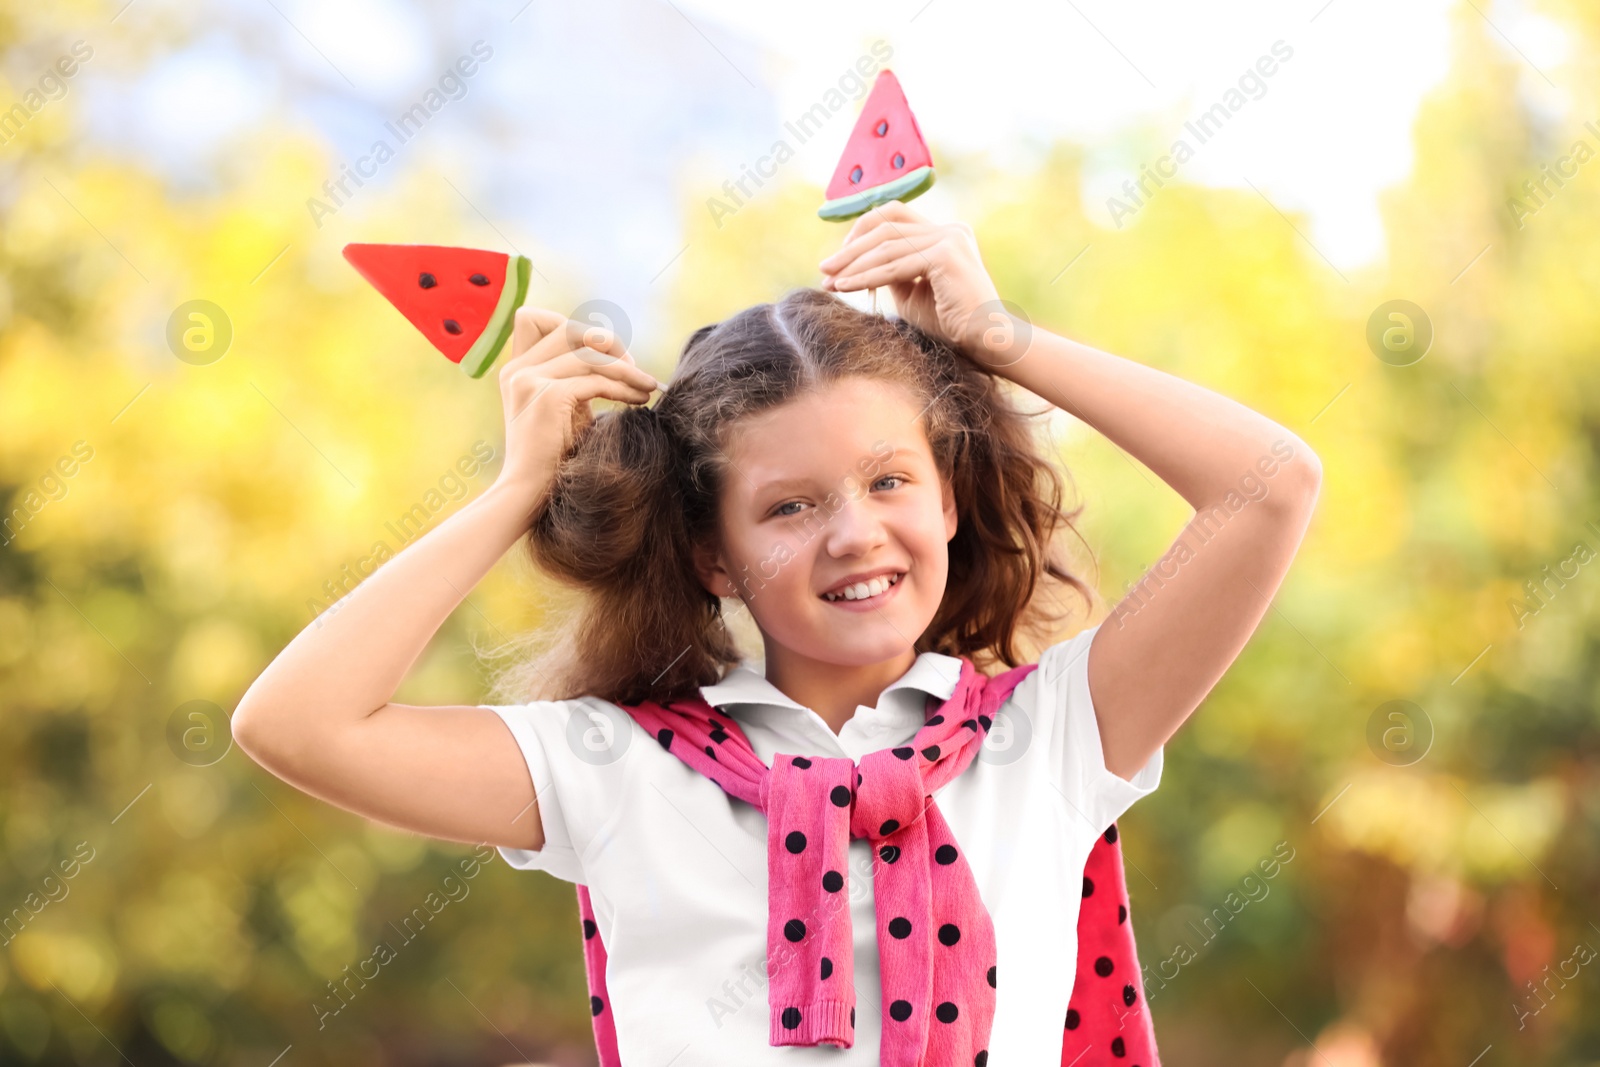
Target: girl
{"points": [[826, 856]]}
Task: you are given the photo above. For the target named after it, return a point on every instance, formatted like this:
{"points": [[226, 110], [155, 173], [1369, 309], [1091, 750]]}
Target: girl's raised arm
{"points": [[320, 715], [1253, 484]]}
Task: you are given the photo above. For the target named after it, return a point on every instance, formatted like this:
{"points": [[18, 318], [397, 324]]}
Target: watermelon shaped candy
{"points": [[464, 300], [885, 158]]}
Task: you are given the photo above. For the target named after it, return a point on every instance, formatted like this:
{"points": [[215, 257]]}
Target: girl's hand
{"points": [[934, 272], [558, 366]]}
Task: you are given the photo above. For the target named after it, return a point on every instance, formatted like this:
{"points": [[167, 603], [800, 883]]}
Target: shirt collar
{"points": [[932, 672]]}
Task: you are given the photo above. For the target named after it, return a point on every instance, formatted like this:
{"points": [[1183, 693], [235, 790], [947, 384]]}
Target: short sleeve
{"points": [[1076, 758], [570, 790]]}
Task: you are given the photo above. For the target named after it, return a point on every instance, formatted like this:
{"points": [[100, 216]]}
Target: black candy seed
{"points": [[900, 1010], [1103, 966], [883, 128], [840, 797], [589, 929], [664, 735], [945, 854], [1088, 886], [904, 752], [1118, 1048], [1122, 914], [1111, 834], [1072, 1018], [791, 1017], [855, 175], [596, 1005], [900, 928], [801, 762], [795, 842], [452, 326], [827, 966], [899, 161], [794, 930], [426, 280], [889, 826], [833, 881], [1129, 994], [981, 1059], [946, 1012], [479, 279], [991, 979], [889, 853], [949, 934]]}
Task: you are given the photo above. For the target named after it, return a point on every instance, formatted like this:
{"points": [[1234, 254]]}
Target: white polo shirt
{"points": [[677, 868]]}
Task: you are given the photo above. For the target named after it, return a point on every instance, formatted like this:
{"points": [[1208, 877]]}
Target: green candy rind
{"points": [[483, 352], [905, 187]]}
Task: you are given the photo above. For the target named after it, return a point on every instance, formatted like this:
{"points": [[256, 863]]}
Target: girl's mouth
{"points": [[865, 596]]}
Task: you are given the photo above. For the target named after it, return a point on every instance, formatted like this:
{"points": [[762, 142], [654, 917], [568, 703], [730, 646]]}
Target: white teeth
{"points": [[863, 590]]}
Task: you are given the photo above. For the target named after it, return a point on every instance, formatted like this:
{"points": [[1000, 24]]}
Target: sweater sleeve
{"points": [[1077, 761]]}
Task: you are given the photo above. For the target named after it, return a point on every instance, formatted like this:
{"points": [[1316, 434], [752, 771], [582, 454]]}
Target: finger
{"points": [[581, 391], [887, 250], [899, 211], [905, 269], [587, 361], [925, 233], [530, 325], [569, 336], [605, 388], [599, 336], [894, 211]]}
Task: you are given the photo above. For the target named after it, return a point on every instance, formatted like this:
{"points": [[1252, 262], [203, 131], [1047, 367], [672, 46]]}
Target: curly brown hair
{"points": [[641, 486]]}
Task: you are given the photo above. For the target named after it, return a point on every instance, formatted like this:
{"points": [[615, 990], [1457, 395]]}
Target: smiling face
{"points": [[835, 492]]}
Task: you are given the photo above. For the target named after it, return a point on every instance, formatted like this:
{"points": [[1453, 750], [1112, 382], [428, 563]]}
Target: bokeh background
{"points": [[1414, 723]]}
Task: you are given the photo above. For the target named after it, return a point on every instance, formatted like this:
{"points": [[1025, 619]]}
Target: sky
{"points": [[579, 139]]}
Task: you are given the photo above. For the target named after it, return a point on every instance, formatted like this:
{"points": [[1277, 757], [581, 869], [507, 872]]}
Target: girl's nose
{"points": [[854, 529]]}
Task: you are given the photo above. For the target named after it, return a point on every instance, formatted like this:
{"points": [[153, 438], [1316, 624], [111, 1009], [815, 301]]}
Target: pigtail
{"points": [[614, 527]]}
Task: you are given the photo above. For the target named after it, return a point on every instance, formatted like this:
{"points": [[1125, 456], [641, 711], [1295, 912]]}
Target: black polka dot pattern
{"points": [[815, 806], [1106, 1018]]}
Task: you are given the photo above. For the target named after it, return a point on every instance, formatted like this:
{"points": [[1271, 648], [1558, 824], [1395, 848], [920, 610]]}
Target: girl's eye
{"points": [[779, 512]]}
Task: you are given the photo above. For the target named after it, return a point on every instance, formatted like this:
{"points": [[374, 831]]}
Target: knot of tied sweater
{"points": [[936, 944]]}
